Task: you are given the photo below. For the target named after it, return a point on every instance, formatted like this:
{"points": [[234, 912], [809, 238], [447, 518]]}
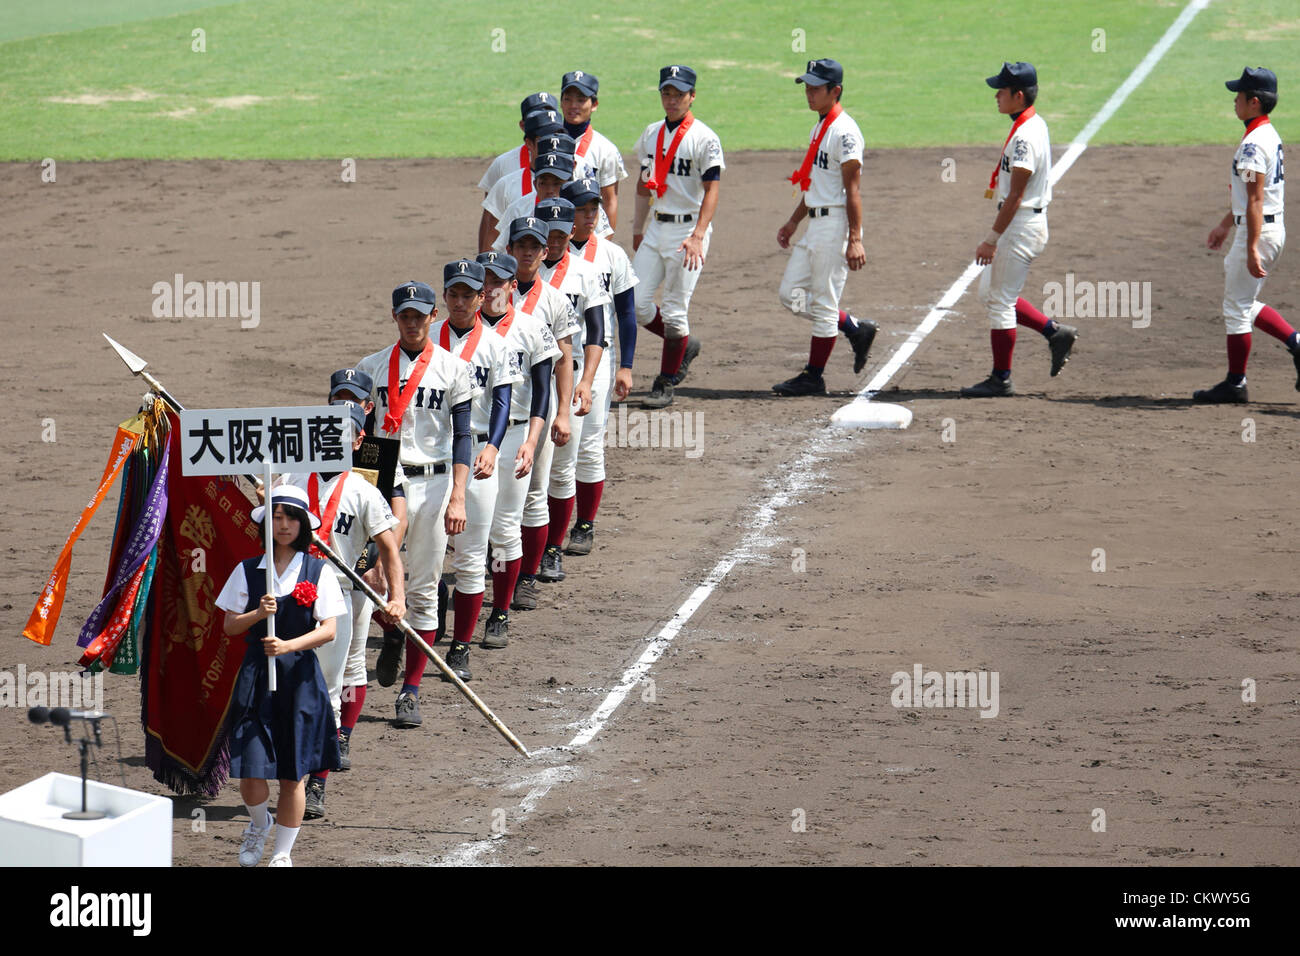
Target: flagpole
{"points": [[137, 366], [268, 534]]}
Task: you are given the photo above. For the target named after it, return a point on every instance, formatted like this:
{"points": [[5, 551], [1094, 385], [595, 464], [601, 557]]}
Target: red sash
{"points": [[561, 269], [657, 183], [526, 165], [503, 324], [802, 177], [1253, 125], [993, 180], [583, 144], [399, 398], [331, 507], [530, 300], [590, 252], [471, 343]]}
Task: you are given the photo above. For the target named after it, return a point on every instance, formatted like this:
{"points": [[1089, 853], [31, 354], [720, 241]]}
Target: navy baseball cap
{"points": [[528, 226], [534, 102], [463, 270], [581, 191], [1015, 75], [352, 381], [1254, 80], [414, 295], [554, 164], [501, 264], [358, 415], [823, 73], [585, 83], [679, 77], [556, 213], [541, 122], [557, 142]]}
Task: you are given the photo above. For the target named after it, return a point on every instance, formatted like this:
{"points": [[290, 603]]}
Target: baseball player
{"points": [[1022, 184], [578, 101], [537, 297], [496, 370], [522, 157], [578, 280], [353, 512], [422, 397], [517, 182], [829, 180], [533, 347], [550, 173], [681, 168], [1256, 184], [617, 279]]}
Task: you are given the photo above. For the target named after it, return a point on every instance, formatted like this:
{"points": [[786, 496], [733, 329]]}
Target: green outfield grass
{"points": [[287, 79]]}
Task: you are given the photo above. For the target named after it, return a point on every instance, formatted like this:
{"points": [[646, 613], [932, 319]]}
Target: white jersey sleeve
{"points": [[1259, 155], [507, 161], [841, 144], [1030, 148]]}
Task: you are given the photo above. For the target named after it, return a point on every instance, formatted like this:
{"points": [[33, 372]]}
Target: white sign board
{"points": [[236, 441]]}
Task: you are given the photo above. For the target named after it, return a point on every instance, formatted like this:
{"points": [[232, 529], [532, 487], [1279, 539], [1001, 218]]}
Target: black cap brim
{"points": [[677, 84]]}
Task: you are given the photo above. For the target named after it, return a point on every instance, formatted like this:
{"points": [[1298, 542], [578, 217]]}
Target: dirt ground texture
{"points": [[967, 542]]}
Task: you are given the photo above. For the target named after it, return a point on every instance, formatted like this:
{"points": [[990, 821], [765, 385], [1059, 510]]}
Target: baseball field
{"points": [[727, 678]]}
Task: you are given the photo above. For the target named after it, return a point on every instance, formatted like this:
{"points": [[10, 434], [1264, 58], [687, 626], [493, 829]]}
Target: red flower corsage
{"points": [[304, 593]]}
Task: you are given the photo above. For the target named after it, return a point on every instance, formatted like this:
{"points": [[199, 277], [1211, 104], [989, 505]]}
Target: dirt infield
{"points": [[970, 542]]}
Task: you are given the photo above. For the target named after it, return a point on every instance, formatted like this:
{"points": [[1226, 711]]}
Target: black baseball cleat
{"points": [[805, 383], [661, 393], [1296, 356], [345, 758], [581, 536], [525, 596], [692, 351], [1225, 393], [1060, 342], [458, 660], [314, 808], [861, 339], [497, 633], [408, 711], [390, 658], [552, 569], [991, 387]]}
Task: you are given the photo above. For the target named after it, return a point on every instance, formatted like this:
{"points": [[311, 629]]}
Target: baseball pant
{"points": [[333, 656], [354, 673], [1000, 283], [658, 261], [1241, 290], [511, 493], [470, 557], [426, 545], [536, 512], [815, 275], [590, 464]]}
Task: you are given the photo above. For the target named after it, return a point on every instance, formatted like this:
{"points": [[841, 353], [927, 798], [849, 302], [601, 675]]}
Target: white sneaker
{"points": [[280, 859], [254, 845]]}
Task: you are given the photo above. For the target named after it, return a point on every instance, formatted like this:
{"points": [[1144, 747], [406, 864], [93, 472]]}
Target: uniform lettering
{"points": [[573, 297], [344, 524], [481, 375], [683, 167], [823, 160]]}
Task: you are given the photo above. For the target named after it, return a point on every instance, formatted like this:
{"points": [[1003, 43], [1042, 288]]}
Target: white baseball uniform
{"points": [[426, 443], [511, 160], [614, 271], [1259, 154], [658, 260], [523, 206], [530, 340], [1026, 236], [493, 364], [815, 275]]}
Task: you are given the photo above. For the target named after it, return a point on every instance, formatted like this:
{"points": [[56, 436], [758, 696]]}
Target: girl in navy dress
{"points": [[290, 733]]}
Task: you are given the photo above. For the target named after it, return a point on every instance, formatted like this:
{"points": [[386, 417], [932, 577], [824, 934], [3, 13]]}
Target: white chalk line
{"points": [[799, 476]]}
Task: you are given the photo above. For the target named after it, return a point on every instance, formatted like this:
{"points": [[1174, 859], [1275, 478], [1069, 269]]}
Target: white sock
{"points": [[284, 837], [259, 815]]}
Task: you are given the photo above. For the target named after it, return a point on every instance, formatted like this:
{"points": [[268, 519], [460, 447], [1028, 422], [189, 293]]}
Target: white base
{"points": [[137, 830], [861, 413]]}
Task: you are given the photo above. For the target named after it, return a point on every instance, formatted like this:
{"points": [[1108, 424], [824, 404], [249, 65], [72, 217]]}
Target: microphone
{"points": [[39, 715], [61, 716]]}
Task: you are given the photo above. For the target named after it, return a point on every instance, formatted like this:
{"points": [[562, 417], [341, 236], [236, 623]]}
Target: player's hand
{"points": [[692, 249], [393, 612], [1254, 265], [376, 579], [984, 253], [454, 521], [785, 233], [1216, 237], [856, 254], [267, 607], [636, 240], [524, 460], [486, 462], [622, 383], [560, 430], [581, 399], [274, 647]]}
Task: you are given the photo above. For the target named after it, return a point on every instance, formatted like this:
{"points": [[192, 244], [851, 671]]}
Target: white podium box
{"points": [[137, 830]]}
